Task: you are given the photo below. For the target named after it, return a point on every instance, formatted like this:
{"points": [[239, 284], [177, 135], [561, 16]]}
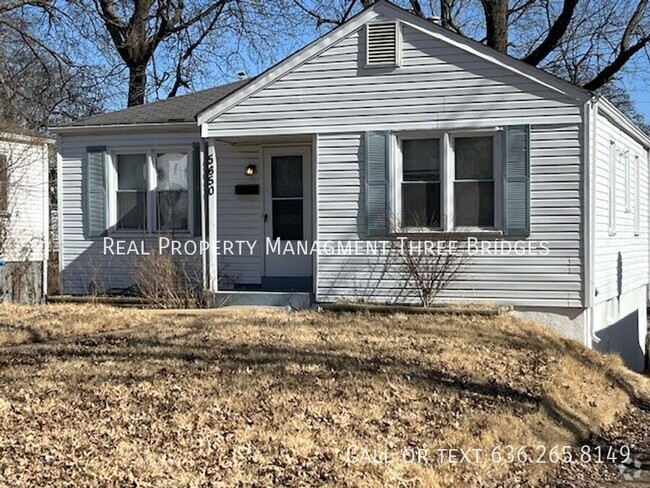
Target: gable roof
{"points": [[387, 9], [205, 105], [183, 108]]}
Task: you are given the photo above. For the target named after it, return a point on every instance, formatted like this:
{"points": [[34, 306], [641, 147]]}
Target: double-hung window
{"points": [[474, 182], [152, 191], [420, 187], [131, 195], [172, 210], [447, 182]]}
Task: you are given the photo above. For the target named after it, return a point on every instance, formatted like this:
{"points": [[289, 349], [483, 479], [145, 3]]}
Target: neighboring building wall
{"points": [[25, 246], [82, 261]]}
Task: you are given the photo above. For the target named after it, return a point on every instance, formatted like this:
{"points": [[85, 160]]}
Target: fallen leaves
{"points": [[262, 398]]}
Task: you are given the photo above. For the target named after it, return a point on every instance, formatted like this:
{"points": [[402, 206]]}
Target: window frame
{"points": [[115, 190], [151, 191], [613, 160], [447, 179], [398, 174], [628, 182], [637, 195], [156, 191]]}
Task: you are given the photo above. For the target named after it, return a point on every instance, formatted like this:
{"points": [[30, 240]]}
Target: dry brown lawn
{"points": [[261, 398]]}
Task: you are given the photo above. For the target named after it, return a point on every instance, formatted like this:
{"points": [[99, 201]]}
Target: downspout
{"points": [[46, 221], [590, 139]]}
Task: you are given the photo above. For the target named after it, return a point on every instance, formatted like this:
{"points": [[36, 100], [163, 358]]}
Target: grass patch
{"points": [[22, 324], [261, 398]]}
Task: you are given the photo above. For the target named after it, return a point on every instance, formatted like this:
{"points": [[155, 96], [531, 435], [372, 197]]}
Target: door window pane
{"points": [[421, 205], [131, 191], [421, 160], [474, 204], [172, 191], [286, 176], [474, 157], [288, 219]]}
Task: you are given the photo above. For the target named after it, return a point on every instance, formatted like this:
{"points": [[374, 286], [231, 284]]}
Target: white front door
{"points": [[288, 211]]}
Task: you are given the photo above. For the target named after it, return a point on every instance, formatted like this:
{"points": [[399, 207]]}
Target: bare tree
{"points": [[138, 31], [39, 85], [588, 42], [165, 45]]}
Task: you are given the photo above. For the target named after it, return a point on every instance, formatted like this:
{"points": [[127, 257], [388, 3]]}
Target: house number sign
{"points": [[210, 175]]}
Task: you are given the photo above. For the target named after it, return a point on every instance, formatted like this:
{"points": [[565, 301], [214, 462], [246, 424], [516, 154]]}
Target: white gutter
{"points": [[624, 123], [153, 125]]}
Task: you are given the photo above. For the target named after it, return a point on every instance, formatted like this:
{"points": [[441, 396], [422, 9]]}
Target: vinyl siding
{"points": [[82, 260], [240, 217], [28, 200], [554, 280], [632, 249], [438, 86]]}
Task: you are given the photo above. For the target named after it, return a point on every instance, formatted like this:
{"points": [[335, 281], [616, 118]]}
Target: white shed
{"points": [[24, 215]]}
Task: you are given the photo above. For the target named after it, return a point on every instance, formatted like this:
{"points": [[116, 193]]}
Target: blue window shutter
{"points": [[377, 183], [196, 186], [94, 178], [516, 180]]}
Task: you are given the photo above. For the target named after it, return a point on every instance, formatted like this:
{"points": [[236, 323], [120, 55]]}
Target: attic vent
{"points": [[382, 39]]}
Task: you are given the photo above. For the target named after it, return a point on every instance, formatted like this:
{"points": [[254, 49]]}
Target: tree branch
{"points": [[555, 34], [625, 51]]}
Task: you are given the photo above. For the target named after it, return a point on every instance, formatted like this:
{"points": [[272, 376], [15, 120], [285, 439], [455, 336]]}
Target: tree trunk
{"points": [[496, 22], [137, 84], [445, 14]]}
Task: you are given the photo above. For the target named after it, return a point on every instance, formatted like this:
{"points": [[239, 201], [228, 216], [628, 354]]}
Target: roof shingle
{"points": [[183, 108]]}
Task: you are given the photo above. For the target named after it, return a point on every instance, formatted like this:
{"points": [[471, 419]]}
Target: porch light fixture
{"points": [[250, 170]]}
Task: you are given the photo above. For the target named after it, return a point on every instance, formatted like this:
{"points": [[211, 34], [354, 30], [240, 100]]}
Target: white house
{"points": [[24, 215], [385, 118]]}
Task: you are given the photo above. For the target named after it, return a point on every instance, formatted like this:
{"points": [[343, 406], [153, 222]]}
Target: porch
{"points": [[260, 217]]}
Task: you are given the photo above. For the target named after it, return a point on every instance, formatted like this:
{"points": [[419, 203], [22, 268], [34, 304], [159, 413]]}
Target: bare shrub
{"points": [[167, 281], [428, 261]]}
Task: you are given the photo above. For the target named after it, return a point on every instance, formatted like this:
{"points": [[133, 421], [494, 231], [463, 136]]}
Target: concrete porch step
{"points": [[296, 300]]}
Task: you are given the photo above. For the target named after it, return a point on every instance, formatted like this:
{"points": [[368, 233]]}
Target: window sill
{"points": [[441, 234], [149, 235]]}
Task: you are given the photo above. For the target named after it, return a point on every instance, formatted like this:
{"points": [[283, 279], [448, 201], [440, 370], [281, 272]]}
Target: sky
{"points": [[640, 93]]}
